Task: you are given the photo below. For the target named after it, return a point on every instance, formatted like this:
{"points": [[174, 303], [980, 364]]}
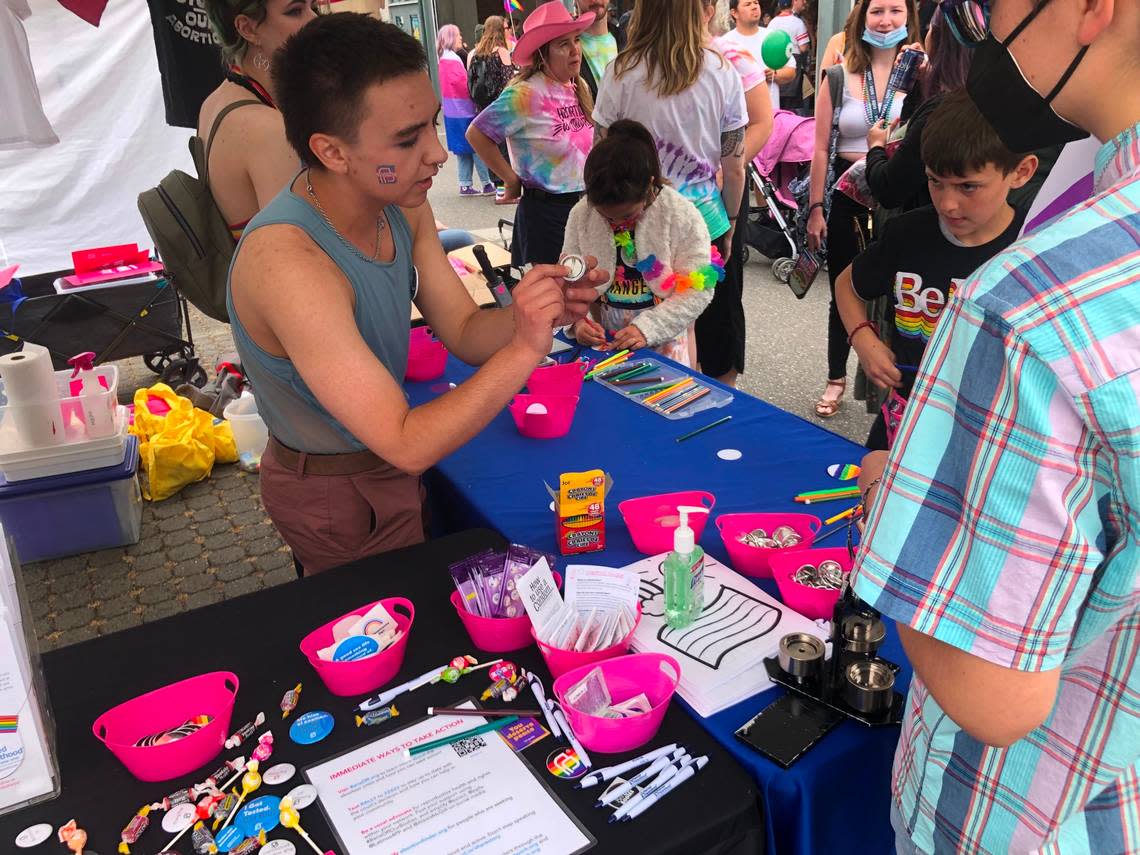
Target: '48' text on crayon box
{"points": [[581, 512]]}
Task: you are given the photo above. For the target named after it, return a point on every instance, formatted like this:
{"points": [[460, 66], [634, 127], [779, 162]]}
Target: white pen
{"points": [[668, 787], [653, 786], [574, 743], [611, 796], [611, 772], [540, 696], [386, 697]]}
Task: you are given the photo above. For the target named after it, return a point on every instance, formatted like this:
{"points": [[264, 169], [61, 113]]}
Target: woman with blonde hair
{"points": [[458, 111], [489, 68], [691, 99], [544, 117]]}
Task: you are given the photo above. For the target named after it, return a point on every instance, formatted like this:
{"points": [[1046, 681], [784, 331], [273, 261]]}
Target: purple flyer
{"points": [[524, 732]]}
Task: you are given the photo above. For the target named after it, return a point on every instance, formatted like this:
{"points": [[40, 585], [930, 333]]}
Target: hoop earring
{"points": [[261, 61]]}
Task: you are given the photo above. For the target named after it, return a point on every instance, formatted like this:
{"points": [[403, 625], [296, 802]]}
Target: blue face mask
{"points": [[884, 40]]}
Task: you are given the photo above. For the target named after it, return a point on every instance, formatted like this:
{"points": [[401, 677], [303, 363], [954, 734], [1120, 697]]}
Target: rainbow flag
{"points": [[510, 6], [843, 471], [8, 723]]}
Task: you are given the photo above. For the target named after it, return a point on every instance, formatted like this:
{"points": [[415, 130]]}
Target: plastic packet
{"points": [[465, 585], [590, 695], [519, 559], [637, 705]]}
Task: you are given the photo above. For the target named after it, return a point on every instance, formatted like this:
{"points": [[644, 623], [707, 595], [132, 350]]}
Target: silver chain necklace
{"points": [[379, 223]]}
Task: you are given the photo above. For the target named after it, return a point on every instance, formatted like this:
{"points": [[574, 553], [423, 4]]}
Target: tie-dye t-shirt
{"points": [[750, 70], [546, 131], [687, 127]]}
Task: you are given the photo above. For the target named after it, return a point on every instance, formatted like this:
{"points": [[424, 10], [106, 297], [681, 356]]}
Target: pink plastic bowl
{"points": [[555, 422], [753, 560], [362, 675], [121, 727], [557, 379], [809, 602], [427, 357], [651, 520], [655, 674], [560, 661], [496, 635]]}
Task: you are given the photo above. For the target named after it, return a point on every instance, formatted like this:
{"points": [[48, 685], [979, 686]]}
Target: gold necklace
{"points": [[317, 202]]}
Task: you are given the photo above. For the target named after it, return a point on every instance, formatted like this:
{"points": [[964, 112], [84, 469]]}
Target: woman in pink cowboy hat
{"points": [[544, 116]]}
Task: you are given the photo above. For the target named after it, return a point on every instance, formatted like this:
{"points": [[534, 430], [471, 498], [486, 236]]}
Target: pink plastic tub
{"points": [[655, 674], [809, 602], [121, 727], [753, 560], [560, 661], [651, 520], [555, 422], [427, 357], [496, 635], [557, 379], [362, 675]]}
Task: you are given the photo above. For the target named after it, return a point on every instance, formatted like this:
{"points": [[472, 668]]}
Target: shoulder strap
{"points": [[835, 81], [225, 111]]}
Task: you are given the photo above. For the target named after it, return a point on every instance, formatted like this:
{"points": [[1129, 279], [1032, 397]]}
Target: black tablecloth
{"points": [[256, 637]]}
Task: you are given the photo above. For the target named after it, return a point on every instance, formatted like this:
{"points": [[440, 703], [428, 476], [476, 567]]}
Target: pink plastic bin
{"points": [[121, 727], [362, 675], [427, 357], [555, 422], [496, 635], [560, 661], [809, 602], [651, 537], [655, 674], [557, 379], [752, 560]]}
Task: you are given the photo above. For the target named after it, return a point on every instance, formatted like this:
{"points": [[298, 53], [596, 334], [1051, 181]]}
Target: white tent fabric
{"points": [[102, 93]]}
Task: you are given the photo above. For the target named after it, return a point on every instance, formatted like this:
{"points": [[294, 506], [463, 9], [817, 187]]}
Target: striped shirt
{"points": [[1008, 526]]}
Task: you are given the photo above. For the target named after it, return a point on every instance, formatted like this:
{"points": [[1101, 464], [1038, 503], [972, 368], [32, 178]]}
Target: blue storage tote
{"points": [[79, 512]]}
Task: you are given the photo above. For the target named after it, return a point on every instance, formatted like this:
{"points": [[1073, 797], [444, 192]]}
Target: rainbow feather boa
{"points": [[650, 268]]}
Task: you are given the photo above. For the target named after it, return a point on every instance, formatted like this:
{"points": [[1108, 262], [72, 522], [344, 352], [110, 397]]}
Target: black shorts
{"points": [[721, 328], [540, 227]]}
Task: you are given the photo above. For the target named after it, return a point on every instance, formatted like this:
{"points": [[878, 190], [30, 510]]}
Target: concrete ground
{"points": [[213, 540]]}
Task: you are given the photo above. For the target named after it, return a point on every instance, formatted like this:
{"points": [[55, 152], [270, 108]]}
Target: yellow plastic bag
{"points": [[180, 447]]}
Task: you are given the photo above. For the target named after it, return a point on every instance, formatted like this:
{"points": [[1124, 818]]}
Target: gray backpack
{"points": [[189, 232]]}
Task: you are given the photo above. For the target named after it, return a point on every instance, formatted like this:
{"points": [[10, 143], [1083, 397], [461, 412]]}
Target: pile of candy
{"points": [[828, 576], [781, 538], [488, 582]]}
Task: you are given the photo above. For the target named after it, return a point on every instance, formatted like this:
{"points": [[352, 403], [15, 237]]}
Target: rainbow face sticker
{"points": [[565, 764], [386, 173]]}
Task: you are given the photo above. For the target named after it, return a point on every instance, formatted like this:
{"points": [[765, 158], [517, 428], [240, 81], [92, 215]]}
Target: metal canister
{"points": [[800, 654], [905, 72], [868, 686]]}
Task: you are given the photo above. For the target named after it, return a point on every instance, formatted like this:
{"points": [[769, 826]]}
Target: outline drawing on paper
{"points": [[731, 620]]}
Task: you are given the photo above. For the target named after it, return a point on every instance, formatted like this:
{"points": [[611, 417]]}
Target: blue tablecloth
{"points": [[835, 798]]}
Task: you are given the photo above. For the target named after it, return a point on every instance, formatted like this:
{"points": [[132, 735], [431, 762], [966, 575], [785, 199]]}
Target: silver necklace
{"points": [[379, 223]]}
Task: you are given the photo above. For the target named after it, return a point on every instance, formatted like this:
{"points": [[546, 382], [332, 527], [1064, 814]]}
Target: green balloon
{"points": [[776, 49]]}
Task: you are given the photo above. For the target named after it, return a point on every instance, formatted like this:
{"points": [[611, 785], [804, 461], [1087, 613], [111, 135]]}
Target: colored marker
{"points": [[455, 737], [608, 773]]}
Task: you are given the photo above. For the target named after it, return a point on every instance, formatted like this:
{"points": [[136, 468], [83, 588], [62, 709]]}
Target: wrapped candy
{"points": [[134, 829], [250, 782], [178, 797], [249, 845], [377, 716], [74, 836], [245, 731], [202, 840], [224, 808], [289, 700], [264, 748]]}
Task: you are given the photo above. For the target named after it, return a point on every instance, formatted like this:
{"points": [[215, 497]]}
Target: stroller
{"points": [[780, 173]]}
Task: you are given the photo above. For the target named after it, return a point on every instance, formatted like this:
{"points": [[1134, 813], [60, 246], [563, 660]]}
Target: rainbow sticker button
{"points": [[565, 764]]}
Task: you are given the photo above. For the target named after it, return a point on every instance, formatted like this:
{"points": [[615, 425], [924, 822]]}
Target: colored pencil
{"points": [[665, 385], [828, 532], [644, 368], [842, 515], [691, 399], [614, 367], [455, 737], [654, 398], [674, 397], [833, 491], [701, 430], [633, 381], [620, 355], [486, 713]]}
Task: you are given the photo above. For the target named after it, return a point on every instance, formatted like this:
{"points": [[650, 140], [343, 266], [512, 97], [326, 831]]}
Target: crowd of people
{"points": [[1003, 483]]}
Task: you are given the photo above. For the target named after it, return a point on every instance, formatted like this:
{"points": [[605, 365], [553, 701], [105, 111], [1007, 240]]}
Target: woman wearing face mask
{"points": [[544, 117], [248, 158], [874, 37]]}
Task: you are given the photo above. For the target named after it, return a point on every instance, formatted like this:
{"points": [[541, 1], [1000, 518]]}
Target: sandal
{"points": [[825, 408]]}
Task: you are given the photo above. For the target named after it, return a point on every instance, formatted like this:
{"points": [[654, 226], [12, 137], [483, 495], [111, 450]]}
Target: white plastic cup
{"points": [[250, 432]]}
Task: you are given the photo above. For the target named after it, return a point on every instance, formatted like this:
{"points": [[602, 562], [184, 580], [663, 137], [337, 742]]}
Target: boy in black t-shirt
{"points": [[922, 255]]}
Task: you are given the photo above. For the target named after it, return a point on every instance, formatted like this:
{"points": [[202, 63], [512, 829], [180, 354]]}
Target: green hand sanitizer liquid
{"points": [[684, 574]]}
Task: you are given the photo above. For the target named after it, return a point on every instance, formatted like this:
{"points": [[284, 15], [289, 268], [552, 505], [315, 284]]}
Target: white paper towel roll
{"points": [[33, 397]]}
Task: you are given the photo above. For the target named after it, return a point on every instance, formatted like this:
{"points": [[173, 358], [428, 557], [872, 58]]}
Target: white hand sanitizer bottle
{"points": [[684, 574]]}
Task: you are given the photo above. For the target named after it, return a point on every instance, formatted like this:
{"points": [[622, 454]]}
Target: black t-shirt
{"points": [[918, 264], [188, 59]]}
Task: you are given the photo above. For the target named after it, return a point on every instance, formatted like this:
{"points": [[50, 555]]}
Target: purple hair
{"points": [[448, 38], [949, 59]]}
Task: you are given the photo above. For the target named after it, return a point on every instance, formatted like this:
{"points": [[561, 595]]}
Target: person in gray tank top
{"points": [[320, 293]]}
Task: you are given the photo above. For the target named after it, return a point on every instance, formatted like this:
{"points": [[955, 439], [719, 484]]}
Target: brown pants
{"points": [[333, 519]]}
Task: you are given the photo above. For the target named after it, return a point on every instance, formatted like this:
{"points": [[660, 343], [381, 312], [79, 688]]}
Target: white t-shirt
{"points": [[686, 126], [795, 27], [753, 44]]}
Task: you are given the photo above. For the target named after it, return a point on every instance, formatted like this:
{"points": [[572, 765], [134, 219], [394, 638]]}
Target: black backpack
{"points": [[480, 81], [189, 232]]}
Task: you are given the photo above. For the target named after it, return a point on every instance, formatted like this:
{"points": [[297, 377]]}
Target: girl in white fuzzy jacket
{"points": [[665, 267]]}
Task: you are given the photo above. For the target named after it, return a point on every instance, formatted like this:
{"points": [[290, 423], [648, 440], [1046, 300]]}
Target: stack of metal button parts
{"points": [[826, 576], [782, 537]]}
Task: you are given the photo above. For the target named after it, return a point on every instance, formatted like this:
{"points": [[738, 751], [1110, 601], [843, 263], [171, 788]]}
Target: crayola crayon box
{"points": [[581, 512]]}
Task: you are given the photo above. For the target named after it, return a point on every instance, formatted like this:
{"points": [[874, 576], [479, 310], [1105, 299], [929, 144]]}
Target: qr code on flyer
{"points": [[470, 745]]}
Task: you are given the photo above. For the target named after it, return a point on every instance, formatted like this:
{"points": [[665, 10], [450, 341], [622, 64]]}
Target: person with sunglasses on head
{"points": [[1003, 535]]}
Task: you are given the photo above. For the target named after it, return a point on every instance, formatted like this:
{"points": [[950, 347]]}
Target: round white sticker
{"points": [[729, 454], [303, 796], [279, 847], [33, 835], [278, 774], [178, 818]]}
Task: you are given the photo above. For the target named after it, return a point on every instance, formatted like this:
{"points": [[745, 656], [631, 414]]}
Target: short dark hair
{"points": [[623, 166], [957, 139], [322, 72]]}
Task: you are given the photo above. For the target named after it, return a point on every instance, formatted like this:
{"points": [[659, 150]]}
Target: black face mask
{"points": [[1023, 119]]}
